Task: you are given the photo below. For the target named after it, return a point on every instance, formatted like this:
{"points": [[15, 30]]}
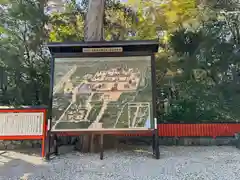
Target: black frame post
{"points": [[155, 138], [101, 146], [49, 137], [157, 150]]}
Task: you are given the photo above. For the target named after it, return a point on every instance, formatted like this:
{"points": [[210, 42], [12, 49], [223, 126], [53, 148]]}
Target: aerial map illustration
{"points": [[104, 92]]}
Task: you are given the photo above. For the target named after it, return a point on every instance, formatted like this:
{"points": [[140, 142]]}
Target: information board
{"points": [[98, 93], [19, 124], [26, 123]]}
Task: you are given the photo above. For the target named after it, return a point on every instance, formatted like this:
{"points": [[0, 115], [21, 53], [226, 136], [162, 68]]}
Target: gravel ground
{"points": [[176, 163]]}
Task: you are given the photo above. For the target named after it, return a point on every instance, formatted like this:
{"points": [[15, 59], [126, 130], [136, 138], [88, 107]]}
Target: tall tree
{"points": [[120, 22], [94, 20], [22, 55], [208, 57]]}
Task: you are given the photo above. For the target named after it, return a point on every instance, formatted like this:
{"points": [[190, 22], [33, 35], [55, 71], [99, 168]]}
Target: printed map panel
{"points": [[104, 92]]}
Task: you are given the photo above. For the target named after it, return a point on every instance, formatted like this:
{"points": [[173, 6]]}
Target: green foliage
{"points": [[68, 25], [24, 60], [183, 41], [209, 62], [200, 57]]}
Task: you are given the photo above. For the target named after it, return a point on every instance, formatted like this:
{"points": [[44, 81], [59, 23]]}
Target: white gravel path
{"points": [[176, 163]]}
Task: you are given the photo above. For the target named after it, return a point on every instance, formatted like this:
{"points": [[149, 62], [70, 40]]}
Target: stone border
{"points": [[19, 144], [166, 141]]}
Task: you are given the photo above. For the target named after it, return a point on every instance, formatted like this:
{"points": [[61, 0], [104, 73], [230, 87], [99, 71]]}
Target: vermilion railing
{"points": [[193, 130]]}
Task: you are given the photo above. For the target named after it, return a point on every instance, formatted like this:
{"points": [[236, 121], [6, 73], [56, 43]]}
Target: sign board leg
{"points": [[101, 146], [55, 142], [155, 140], [92, 142], [43, 146], [157, 151], [153, 143], [48, 154]]}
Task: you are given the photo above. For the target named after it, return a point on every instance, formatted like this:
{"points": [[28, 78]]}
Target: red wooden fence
{"points": [[192, 130]]}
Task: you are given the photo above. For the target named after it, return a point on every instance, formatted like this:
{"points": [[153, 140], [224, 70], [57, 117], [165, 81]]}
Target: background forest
{"points": [[199, 55]]}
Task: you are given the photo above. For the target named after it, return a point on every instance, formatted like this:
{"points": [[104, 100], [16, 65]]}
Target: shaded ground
{"points": [[176, 163]]}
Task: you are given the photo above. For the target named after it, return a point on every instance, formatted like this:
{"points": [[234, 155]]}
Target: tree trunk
{"points": [[94, 21], [93, 32]]}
